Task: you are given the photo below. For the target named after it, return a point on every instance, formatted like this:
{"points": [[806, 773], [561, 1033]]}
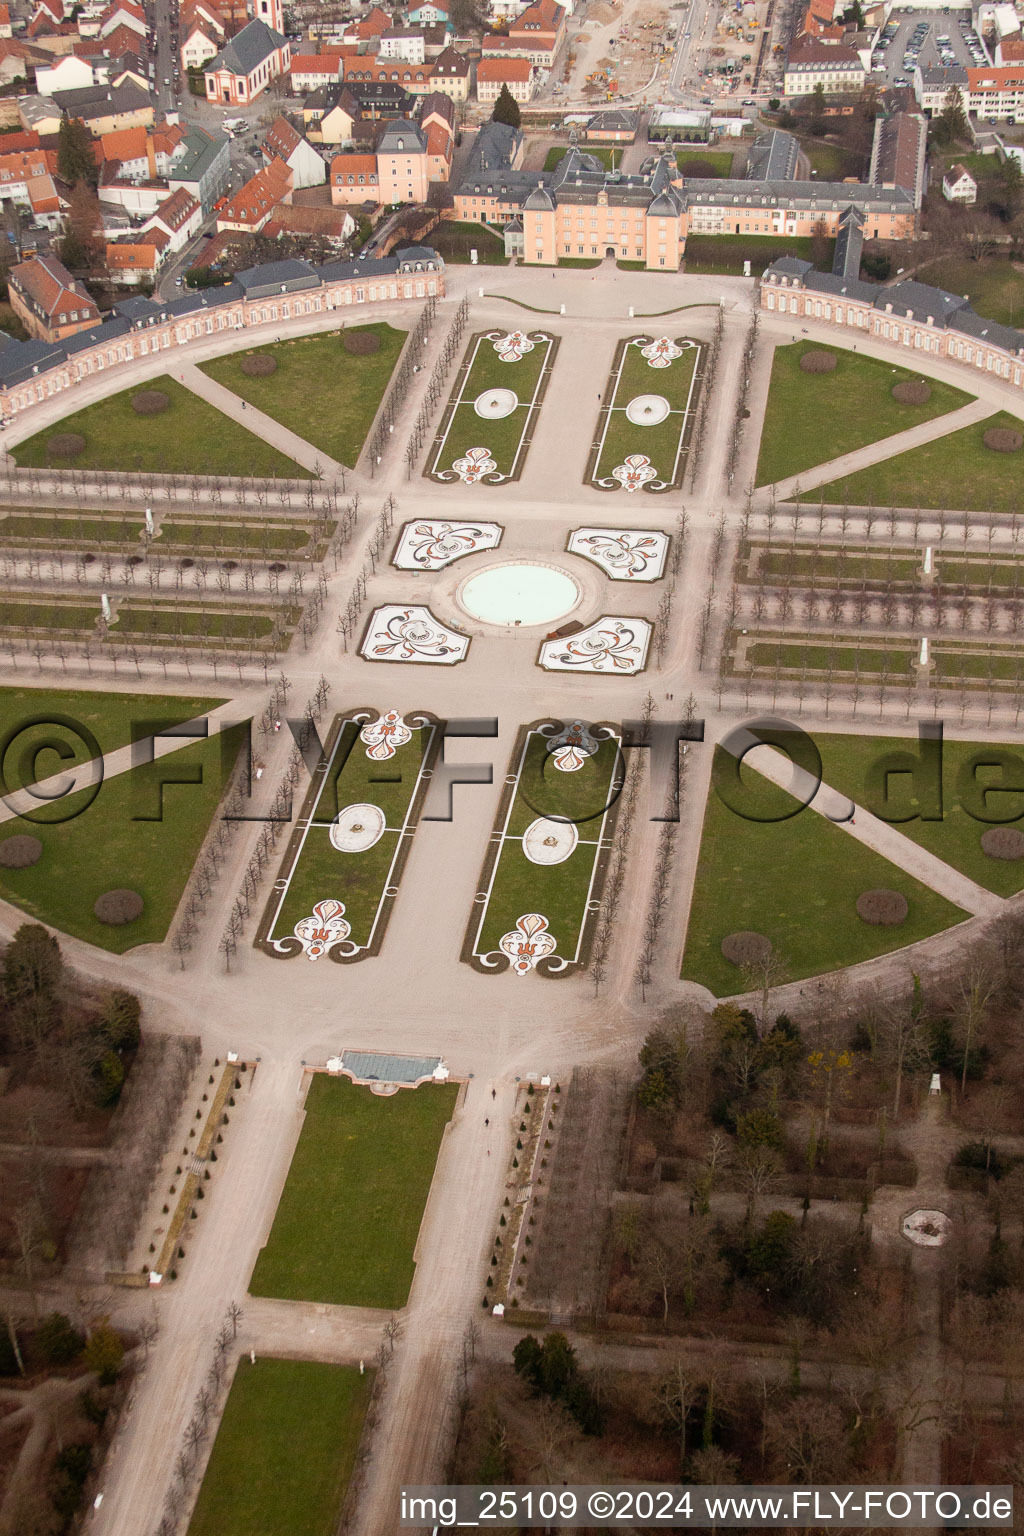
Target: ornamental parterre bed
{"points": [[648, 409], [341, 870], [539, 892], [487, 427]]}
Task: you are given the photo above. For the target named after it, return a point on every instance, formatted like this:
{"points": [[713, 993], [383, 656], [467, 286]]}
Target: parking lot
{"points": [[928, 38]]}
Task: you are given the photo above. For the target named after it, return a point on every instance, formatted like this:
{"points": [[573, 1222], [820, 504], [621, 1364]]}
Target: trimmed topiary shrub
{"points": [[883, 909], [360, 343], [118, 907], [65, 445], [20, 851], [997, 842], [150, 402], [1002, 439], [260, 366], [818, 362], [746, 947], [912, 392]]}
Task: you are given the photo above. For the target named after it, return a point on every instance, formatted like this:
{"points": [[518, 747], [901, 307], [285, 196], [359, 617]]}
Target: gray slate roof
{"points": [[247, 49]]}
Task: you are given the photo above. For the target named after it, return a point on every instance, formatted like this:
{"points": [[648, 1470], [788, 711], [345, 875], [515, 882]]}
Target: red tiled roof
{"points": [[503, 70]]}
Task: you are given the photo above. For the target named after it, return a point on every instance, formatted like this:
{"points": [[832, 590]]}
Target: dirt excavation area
{"points": [[619, 49]]}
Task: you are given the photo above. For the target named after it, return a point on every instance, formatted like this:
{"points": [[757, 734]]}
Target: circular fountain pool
{"points": [[520, 592]]}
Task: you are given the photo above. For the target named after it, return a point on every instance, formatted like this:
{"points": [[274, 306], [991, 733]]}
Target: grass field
{"points": [[190, 437], [832, 163], [797, 882], [137, 618], [956, 838], [851, 407], [70, 530], [285, 1450], [695, 163], [73, 532], [134, 835], [350, 1213], [558, 891], [995, 287], [504, 436], [454, 239], [802, 563], [610, 157], [321, 392], [662, 442], [799, 655], [956, 472], [726, 254], [316, 870], [114, 719]]}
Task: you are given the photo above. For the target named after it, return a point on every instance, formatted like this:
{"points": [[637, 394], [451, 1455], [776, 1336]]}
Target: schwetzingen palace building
{"points": [[581, 209]]}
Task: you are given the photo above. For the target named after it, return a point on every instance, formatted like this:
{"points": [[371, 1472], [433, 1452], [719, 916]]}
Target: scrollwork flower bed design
{"points": [[642, 436]]}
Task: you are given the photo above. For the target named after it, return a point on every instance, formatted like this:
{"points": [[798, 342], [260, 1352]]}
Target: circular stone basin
{"points": [[357, 828], [519, 593], [928, 1229], [647, 410], [549, 842], [493, 404]]}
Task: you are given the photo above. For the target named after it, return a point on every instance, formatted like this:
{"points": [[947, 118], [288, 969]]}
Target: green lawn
{"points": [[796, 881], [251, 537], [832, 163], [662, 441], [713, 162], [558, 891], [190, 437], [68, 529], [350, 1212], [321, 392], [610, 158], [113, 719], [502, 437], [956, 838], [956, 472], [726, 254], [285, 1450], [131, 836], [454, 239], [802, 563], [799, 655], [995, 287], [851, 407], [357, 879]]}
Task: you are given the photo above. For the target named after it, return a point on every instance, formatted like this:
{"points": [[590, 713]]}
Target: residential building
{"points": [[492, 75], [284, 142], [311, 71], [831, 65], [201, 43], [898, 153], [179, 217], [5, 21], [67, 74], [244, 68], [450, 73], [104, 109], [250, 207], [47, 300], [538, 32], [27, 180], [406, 43], [39, 114], [933, 84], [996, 94], [354, 180], [402, 164], [437, 108], [380, 98], [414, 78], [205, 167], [136, 259], [959, 186], [427, 14]]}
